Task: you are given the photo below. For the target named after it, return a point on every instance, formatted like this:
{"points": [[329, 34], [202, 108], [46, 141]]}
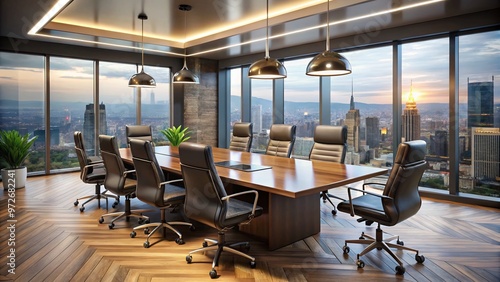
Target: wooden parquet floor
{"points": [[55, 242]]}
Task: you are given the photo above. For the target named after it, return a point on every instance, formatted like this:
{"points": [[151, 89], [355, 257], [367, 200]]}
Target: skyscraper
{"points": [[372, 132], [257, 118], [439, 143], [89, 125], [352, 121], [410, 119], [480, 104], [486, 153]]}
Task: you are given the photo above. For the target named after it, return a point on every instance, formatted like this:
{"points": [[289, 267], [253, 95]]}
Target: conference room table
{"points": [[289, 188]]}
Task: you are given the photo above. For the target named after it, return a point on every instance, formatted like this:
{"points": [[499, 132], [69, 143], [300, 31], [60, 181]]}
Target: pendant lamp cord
{"points": [[142, 40], [267, 29], [328, 26], [185, 38]]}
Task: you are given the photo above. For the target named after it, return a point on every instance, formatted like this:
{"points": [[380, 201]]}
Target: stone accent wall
{"points": [[200, 102]]}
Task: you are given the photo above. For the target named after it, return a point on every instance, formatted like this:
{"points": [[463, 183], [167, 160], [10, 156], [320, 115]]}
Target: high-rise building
{"points": [[352, 121], [257, 118], [372, 132], [480, 104], [89, 125], [410, 119], [439, 143], [152, 98], [486, 153]]}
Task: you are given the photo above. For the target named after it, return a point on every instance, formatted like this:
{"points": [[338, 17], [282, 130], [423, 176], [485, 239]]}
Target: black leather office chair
{"points": [[207, 202], [142, 132], [399, 201], [154, 190], [281, 140], [92, 172], [241, 139], [330, 144], [117, 181]]}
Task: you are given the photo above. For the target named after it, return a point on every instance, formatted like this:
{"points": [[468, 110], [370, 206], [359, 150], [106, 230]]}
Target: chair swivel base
{"points": [[220, 245], [380, 243], [126, 215], [165, 225], [97, 196]]}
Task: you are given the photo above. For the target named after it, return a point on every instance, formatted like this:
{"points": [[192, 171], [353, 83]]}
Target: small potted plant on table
{"points": [[176, 135]]}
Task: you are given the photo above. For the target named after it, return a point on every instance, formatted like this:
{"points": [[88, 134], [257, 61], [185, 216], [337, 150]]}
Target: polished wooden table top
{"points": [[287, 176]]}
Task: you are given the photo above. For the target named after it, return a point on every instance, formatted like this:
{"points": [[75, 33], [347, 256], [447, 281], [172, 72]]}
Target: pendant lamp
{"points": [[142, 79], [328, 63], [185, 75], [267, 68]]}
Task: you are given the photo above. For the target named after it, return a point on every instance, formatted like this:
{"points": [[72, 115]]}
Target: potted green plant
{"points": [[14, 149], [176, 135]]}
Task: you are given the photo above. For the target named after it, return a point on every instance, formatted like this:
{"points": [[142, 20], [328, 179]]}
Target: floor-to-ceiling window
{"points": [[235, 102], [117, 101], [71, 109], [262, 112], [362, 101], [301, 104], [425, 97], [22, 101], [479, 113], [155, 103]]}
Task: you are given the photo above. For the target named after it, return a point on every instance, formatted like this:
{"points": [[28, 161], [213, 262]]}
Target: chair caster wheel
{"points": [[346, 249], [111, 225], [213, 274], [146, 244], [253, 264], [204, 244], [189, 258], [75, 203], [133, 234], [82, 209], [114, 205], [401, 243], [400, 270], [361, 238], [101, 220], [146, 231], [334, 212], [420, 259], [192, 228], [179, 241], [360, 263]]}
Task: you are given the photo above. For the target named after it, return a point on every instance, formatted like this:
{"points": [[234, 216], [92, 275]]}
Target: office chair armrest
{"points": [[226, 198], [96, 162], [128, 171], [364, 192], [171, 181], [372, 183]]}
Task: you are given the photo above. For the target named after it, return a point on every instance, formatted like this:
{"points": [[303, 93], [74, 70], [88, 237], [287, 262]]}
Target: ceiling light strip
{"points": [[54, 11]]}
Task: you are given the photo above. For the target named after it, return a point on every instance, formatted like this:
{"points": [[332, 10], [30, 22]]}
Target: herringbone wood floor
{"points": [[55, 242]]}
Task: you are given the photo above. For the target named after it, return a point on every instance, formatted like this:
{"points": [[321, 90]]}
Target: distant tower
{"points": [[372, 132], [486, 153], [89, 125], [480, 104], [411, 119], [257, 118], [352, 121], [152, 98], [439, 143]]}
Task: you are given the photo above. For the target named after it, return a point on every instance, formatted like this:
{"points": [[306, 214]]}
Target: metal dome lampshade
{"points": [[142, 79], [185, 75], [328, 63], [267, 68]]}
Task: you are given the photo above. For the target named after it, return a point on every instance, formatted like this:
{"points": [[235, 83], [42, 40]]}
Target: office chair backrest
{"points": [[142, 132], [403, 181], [83, 160], [149, 173], [330, 143], [115, 178], [204, 188], [241, 140], [281, 140]]}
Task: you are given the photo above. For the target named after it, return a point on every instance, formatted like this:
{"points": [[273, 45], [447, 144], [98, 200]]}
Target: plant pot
{"points": [[14, 178]]}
